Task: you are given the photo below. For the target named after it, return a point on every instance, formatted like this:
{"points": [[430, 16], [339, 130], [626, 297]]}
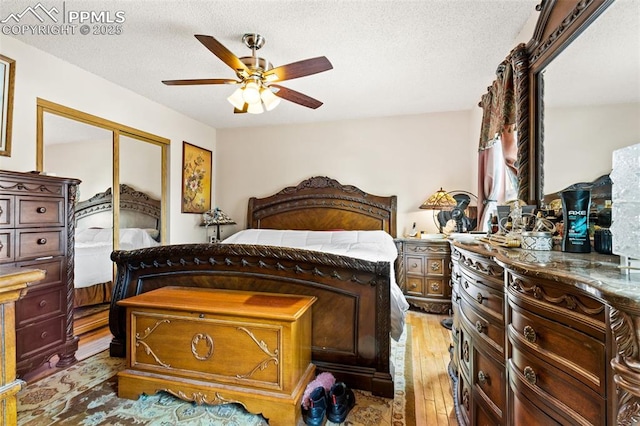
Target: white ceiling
{"points": [[390, 57]]}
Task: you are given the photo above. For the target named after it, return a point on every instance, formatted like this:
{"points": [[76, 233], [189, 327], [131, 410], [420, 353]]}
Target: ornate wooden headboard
{"points": [[321, 204], [137, 209]]}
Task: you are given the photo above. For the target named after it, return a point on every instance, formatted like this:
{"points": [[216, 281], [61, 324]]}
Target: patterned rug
{"points": [[85, 394]]}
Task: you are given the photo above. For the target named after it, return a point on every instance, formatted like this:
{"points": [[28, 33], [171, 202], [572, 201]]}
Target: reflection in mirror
{"points": [[592, 98], [79, 150], [75, 144]]}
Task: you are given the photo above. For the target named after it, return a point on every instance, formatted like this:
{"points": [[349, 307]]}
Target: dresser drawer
{"points": [[489, 381], [560, 303], [40, 242], [415, 265], [557, 388], [38, 305], [488, 331], [54, 269], [565, 348], [7, 237], [523, 412], [464, 397], [483, 297], [39, 337], [475, 264], [6, 211], [39, 211]]}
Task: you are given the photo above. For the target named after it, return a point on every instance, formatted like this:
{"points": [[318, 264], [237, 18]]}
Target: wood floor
{"points": [[430, 344]]}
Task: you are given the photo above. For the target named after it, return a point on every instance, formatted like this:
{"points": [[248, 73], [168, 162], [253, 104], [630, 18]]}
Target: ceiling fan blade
{"points": [[298, 69], [296, 97], [222, 52], [199, 81]]}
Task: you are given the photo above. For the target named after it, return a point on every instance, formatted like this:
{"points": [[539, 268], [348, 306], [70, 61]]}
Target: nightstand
{"points": [[424, 273]]}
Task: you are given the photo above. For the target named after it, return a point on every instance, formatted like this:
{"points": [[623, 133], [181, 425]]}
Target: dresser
{"points": [[424, 272], [555, 343], [37, 232]]}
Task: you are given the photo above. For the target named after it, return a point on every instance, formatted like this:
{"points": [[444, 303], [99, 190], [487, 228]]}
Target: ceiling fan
{"points": [[257, 76]]}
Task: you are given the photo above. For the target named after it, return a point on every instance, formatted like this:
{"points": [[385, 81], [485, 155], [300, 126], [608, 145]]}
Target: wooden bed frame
{"points": [[351, 318]]}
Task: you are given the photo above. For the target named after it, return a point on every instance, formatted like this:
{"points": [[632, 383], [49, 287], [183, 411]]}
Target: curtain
{"points": [[497, 150]]}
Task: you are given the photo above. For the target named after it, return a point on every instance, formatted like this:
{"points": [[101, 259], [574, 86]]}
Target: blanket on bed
{"points": [[377, 246]]}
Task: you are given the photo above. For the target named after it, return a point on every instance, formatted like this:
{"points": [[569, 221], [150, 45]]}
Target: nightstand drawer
{"points": [[435, 287], [415, 265], [414, 286], [39, 211], [435, 266]]}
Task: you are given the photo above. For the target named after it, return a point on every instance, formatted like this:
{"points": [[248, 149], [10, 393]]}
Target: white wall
{"points": [[579, 141], [407, 156], [39, 74]]}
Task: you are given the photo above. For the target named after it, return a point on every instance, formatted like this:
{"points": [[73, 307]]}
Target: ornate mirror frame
{"points": [[560, 22]]}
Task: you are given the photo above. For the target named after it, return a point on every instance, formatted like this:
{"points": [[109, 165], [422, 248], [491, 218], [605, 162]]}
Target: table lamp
{"points": [[216, 217]]}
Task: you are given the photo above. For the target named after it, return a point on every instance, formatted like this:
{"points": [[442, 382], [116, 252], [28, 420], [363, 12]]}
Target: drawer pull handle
{"points": [[1, 246], [435, 266], [42, 303], [480, 298], [466, 284], [42, 241], [530, 375], [44, 335], [530, 334], [483, 377], [479, 326], [435, 287], [41, 209], [414, 265], [1, 211]]}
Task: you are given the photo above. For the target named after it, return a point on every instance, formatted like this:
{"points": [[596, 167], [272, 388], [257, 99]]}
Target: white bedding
{"points": [[93, 247], [365, 245]]}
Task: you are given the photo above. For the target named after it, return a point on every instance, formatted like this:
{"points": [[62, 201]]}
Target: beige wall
{"points": [[41, 75], [407, 156]]}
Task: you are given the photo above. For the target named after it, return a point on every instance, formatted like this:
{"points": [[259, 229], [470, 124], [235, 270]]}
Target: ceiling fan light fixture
{"points": [[269, 100], [251, 93], [236, 99], [255, 108]]}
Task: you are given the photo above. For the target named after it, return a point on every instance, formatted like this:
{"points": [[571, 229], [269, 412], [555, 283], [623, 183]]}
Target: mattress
{"points": [[377, 246]]}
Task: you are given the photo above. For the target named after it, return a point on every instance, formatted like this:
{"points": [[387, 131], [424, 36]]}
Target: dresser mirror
{"points": [[570, 63], [592, 98]]}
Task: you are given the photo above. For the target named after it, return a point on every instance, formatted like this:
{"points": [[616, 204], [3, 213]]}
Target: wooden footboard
{"points": [[350, 321]]}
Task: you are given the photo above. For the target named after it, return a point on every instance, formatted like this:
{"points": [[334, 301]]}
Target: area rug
{"points": [[85, 394]]}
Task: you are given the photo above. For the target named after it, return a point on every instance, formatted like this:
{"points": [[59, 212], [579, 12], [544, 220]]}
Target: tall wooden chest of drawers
{"points": [[424, 271], [37, 232], [220, 346]]}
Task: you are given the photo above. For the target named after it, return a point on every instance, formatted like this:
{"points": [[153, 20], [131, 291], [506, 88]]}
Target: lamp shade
{"points": [[217, 217], [440, 200]]}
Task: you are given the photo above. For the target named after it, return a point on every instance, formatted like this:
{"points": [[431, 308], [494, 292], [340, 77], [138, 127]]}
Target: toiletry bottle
{"points": [[575, 214]]}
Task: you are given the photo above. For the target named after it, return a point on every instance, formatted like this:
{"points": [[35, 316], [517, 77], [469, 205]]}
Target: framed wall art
{"points": [[8, 75], [196, 179]]}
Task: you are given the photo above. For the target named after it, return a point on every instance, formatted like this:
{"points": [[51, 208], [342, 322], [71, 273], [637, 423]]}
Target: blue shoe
{"points": [[315, 415], [341, 401]]}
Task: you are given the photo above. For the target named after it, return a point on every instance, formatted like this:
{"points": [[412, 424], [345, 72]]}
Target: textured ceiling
{"points": [[389, 57]]}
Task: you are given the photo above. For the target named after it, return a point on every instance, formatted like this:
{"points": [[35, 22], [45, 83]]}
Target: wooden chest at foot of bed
{"points": [[219, 346]]}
